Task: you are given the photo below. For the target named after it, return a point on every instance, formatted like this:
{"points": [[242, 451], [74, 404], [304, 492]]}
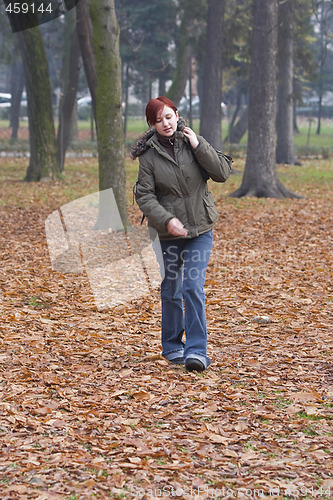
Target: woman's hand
{"points": [[192, 137], [175, 227]]}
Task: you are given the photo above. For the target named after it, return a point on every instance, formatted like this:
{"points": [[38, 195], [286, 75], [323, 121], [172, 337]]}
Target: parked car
{"points": [[5, 100], [5, 104]]}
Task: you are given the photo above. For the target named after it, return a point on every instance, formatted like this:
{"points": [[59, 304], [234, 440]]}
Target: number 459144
{"points": [[24, 8]]}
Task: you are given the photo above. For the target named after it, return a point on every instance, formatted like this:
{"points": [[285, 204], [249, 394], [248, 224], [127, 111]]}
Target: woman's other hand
{"points": [[175, 227], [192, 137]]}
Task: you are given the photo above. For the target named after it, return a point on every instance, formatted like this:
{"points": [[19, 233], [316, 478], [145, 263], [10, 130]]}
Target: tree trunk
{"points": [[285, 136], [237, 131], [125, 80], [211, 113], [161, 85], [110, 136], [84, 32], [70, 78], [44, 162], [234, 116], [17, 85], [260, 177], [297, 94], [322, 58], [320, 110], [184, 52]]}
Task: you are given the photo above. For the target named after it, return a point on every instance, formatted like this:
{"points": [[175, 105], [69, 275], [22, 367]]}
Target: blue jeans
{"points": [[183, 298]]}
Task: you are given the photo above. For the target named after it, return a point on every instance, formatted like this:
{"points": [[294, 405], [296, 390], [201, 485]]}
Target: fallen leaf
{"points": [[307, 396], [327, 484], [216, 438], [141, 395], [230, 453]]}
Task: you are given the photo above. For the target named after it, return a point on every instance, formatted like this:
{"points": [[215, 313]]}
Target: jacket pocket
{"points": [[210, 209]]}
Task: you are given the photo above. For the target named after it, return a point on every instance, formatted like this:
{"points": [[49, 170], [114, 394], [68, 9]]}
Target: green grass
{"points": [[311, 180], [5, 123], [136, 126], [314, 178], [305, 144], [325, 139], [79, 178]]}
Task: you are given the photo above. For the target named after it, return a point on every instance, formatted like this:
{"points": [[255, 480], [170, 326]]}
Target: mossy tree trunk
{"points": [[44, 162], [260, 177], [110, 136]]}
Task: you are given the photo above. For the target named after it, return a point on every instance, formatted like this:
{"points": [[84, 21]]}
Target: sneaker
{"points": [[194, 364]]}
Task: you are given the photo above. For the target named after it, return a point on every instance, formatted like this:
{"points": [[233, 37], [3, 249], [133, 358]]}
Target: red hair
{"points": [[155, 106]]}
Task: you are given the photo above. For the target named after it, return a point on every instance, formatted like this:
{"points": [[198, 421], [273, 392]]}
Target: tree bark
{"points": [[125, 80], [234, 116], [44, 162], [239, 129], [260, 177], [184, 52], [84, 31], [285, 130], [17, 85], [70, 78], [211, 113], [110, 136], [322, 58]]}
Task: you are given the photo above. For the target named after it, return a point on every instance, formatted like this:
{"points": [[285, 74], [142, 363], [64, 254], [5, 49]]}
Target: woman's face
{"points": [[166, 123]]}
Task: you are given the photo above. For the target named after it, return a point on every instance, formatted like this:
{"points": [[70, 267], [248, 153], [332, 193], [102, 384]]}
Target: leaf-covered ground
{"points": [[89, 409]]}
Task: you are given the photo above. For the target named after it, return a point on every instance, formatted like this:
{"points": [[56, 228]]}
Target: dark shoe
{"points": [[177, 361], [193, 364]]}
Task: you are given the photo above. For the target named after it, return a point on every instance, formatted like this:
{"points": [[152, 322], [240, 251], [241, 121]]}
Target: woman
{"points": [[172, 193]]}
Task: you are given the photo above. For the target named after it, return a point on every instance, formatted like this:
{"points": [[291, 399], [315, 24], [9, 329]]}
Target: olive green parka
{"points": [[168, 187]]}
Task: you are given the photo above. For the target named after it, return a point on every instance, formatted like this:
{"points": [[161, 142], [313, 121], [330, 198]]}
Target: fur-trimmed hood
{"points": [[141, 144]]}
